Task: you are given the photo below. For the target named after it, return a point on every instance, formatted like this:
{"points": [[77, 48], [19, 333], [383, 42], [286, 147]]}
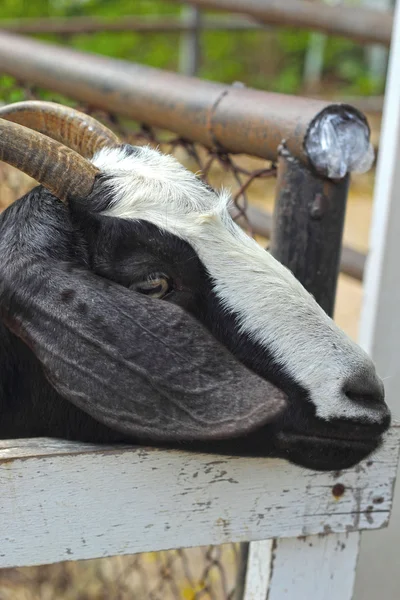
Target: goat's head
{"points": [[157, 229]]}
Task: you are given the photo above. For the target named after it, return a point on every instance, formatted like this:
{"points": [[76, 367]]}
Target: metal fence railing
{"points": [[68, 26], [361, 24], [236, 137], [365, 26]]}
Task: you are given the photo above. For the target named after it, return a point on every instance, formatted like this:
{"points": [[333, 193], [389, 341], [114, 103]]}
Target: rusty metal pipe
{"points": [[363, 25], [143, 24], [294, 14], [229, 118]]}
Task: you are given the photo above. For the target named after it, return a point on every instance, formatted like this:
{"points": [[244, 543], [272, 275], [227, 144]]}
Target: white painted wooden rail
{"points": [[63, 501]]}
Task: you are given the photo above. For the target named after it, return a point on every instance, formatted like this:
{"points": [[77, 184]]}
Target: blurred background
{"points": [[272, 58], [226, 48]]}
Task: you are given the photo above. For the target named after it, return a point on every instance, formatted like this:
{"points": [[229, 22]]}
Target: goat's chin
{"points": [[322, 453], [311, 442], [316, 451]]}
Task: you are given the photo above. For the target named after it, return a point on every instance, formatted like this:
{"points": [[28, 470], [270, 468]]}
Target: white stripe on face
{"points": [[272, 307]]}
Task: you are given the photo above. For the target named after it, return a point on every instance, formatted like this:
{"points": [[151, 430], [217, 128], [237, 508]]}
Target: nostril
{"points": [[365, 390], [371, 399]]}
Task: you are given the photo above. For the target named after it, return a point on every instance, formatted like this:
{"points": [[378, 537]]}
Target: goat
{"points": [[133, 308]]}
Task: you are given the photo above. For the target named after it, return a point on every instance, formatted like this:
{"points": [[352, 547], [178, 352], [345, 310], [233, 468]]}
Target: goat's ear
{"points": [[140, 366]]}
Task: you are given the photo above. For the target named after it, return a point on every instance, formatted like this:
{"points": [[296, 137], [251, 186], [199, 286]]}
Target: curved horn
{"points": [[74, 129], [61, 170]]}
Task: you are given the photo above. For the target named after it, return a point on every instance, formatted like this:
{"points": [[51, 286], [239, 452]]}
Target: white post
{"points": [[314, 61], [378, 574], [312, 567], [189, 51], [377, 56]]}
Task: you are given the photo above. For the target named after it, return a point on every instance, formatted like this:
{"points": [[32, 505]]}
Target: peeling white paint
{"points": [[61, 501]]}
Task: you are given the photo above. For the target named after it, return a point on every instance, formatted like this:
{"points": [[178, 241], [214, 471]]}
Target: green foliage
{"points": [[272, 59], [9, 90]]}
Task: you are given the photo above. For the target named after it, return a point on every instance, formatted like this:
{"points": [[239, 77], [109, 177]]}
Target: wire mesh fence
{"points": [[208, 573], [242, 175], [189, 574], [245, 176]]}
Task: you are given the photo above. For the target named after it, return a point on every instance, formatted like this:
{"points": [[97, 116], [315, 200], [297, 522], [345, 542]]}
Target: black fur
{"points": [[144, 368]]}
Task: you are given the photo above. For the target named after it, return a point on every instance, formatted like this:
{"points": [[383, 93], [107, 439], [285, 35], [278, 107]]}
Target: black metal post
{"points": [[308, 227]]}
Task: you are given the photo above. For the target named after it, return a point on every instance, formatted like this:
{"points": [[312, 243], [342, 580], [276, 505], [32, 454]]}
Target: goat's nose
{"points": [[366, 389]]}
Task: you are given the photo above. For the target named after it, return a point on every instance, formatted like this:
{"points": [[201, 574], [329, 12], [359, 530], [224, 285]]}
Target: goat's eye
{"points": [[156, 285]]}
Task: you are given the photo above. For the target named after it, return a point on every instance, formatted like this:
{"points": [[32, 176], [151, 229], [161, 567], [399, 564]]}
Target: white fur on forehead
{"points": [[143, 175], [271, 306]]}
